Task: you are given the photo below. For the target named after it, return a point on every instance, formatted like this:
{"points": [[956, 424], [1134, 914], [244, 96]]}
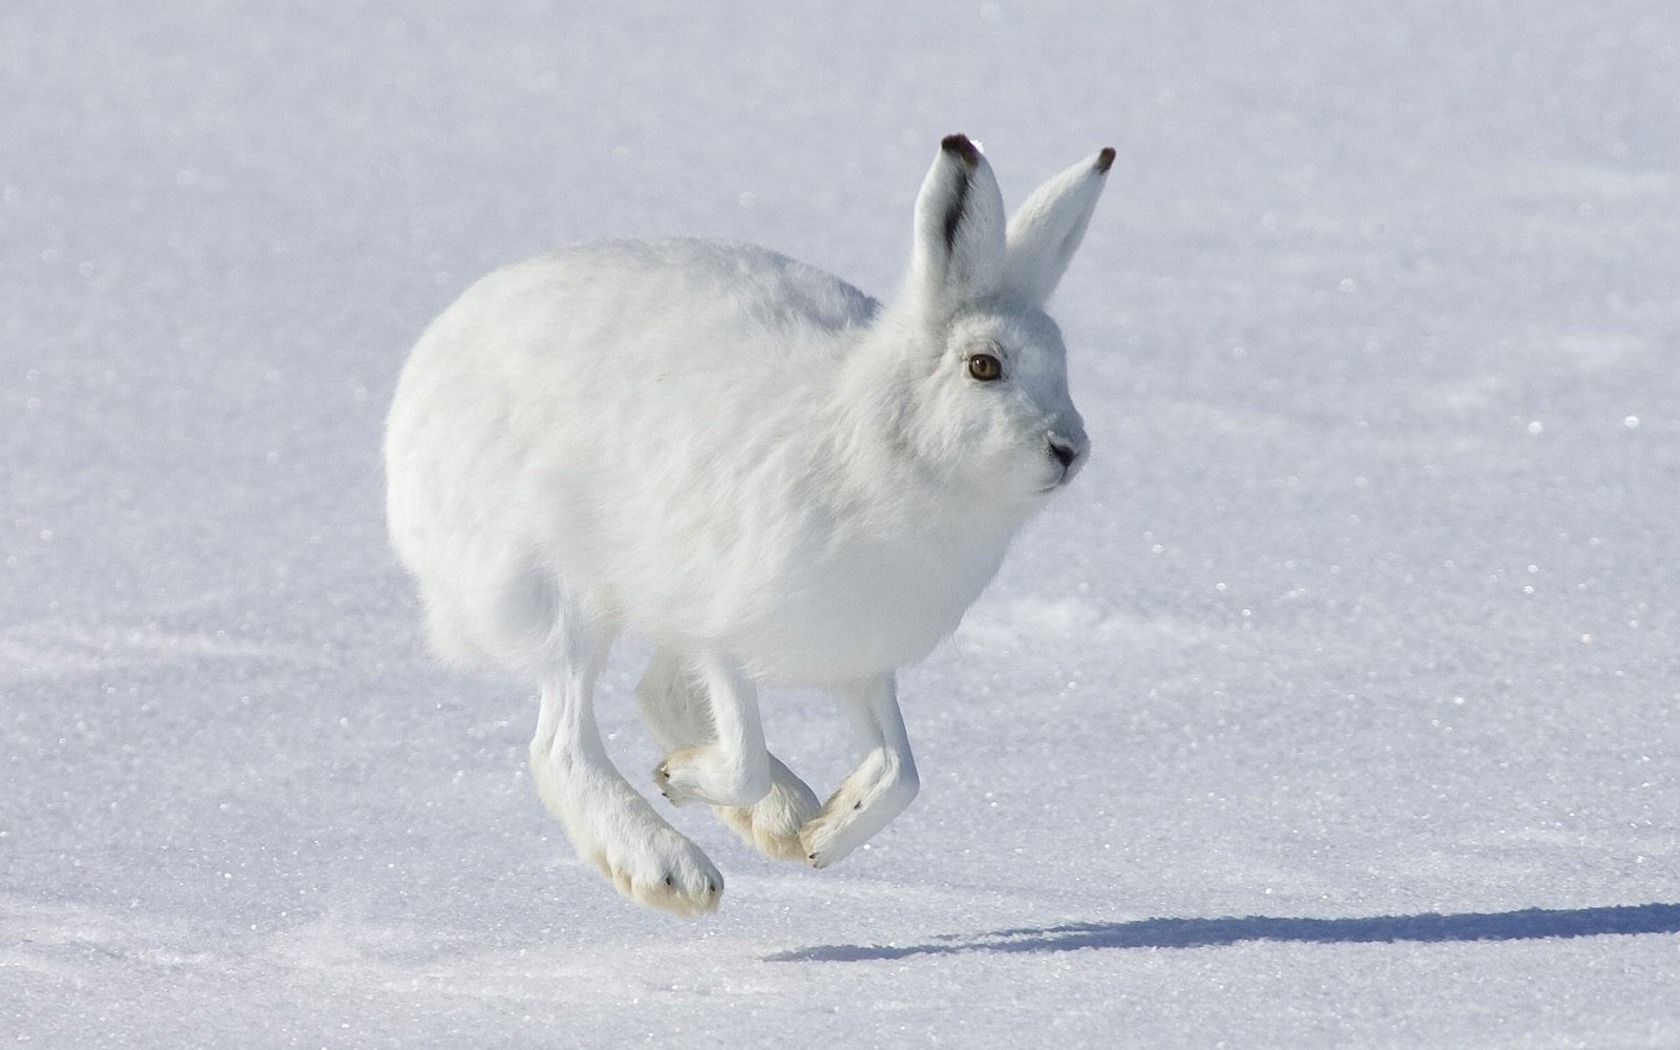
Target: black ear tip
{"points": [[965, 150], [1105, 159]]}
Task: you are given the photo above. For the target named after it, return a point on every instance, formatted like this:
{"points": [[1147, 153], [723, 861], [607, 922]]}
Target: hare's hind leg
{"points": [[678, 713], [882, 785], [609, 823]]}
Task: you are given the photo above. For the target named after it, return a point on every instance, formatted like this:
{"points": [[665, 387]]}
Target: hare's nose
{"points": [[1065, 453]]}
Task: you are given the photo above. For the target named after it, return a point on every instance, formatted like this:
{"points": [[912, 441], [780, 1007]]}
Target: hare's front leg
{"points": [[729, 766], [609, 823], [678, 714], [882, 785]]}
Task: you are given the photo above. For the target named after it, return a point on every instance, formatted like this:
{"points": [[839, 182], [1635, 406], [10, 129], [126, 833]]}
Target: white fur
{"points": [[770, 475]]}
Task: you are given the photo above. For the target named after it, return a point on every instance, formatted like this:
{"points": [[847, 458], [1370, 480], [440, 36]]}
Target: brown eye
{"points": [[985, 367]]}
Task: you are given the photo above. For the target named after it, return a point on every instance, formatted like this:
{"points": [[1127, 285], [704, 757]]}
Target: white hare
{"points": [[768, 474]]}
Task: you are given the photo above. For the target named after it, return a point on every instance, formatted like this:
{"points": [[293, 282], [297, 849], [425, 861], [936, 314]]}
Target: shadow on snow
{"points": [[1527, 925]]}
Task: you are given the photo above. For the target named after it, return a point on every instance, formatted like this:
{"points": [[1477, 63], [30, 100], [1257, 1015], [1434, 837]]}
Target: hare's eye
{"points": [[985, 367]]}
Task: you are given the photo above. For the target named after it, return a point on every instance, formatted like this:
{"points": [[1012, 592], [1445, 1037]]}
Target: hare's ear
{"points": [[958, 252], [1048, 227]]}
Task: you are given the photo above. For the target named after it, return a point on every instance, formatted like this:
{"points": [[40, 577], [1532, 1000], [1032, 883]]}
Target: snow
{"points": [[1333, 705]]}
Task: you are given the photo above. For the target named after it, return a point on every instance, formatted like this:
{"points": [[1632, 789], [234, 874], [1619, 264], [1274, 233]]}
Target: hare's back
{"points": [[697, 304], [769, 286], [622, 340]]}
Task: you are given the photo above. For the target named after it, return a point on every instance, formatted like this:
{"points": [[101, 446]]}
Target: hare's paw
{"points": [[613, 828], [877, 791], [711, 774], [772, 824], [660, 869]]}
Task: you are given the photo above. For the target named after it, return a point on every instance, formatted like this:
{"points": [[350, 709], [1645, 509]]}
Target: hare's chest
{"points": [[869, 609]]}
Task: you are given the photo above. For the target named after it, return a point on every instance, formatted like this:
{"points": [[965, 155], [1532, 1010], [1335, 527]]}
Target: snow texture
{"points": [[1335, 703]]}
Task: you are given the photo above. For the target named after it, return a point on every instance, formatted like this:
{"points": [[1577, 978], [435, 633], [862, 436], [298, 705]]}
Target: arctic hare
{"points": [[771, 476]]}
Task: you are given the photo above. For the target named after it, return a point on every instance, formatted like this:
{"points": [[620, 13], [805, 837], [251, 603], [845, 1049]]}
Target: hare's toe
{"points": [[822, 840], [662, 783], [670, 874], [772, 824]]}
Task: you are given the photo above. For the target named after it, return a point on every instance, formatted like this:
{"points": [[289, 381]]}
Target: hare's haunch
{"points": [[771, 476]]}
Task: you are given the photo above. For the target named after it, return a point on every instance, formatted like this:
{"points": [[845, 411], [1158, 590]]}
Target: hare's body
{"points": [[768, 474], [782, 532]]}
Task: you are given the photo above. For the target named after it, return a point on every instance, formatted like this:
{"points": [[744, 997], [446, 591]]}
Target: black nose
{"points": [[1065, 454]]}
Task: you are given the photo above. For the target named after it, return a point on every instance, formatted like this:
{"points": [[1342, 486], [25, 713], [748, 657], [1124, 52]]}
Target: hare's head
{"points": [[988, 366]]}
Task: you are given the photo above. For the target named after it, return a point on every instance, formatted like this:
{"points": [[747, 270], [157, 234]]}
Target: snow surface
{"points": [[1334, 705]]}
